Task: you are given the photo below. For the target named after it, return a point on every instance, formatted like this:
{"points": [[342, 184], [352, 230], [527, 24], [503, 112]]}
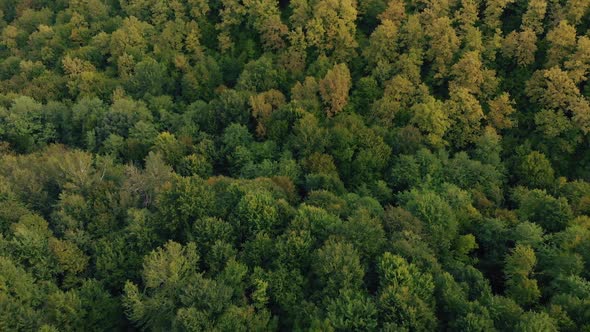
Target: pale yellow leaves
{"points": [[500, 110], [521, 45]]}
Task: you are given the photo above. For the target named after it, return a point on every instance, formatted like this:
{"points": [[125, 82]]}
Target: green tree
{"points": [[535, 171], [436, 214], [25, 125], [553, 214], [431, 120], [351, 311], [182, 202], [148, 76], [519, 267], [338, 267], [165, 270], [405, 298]]}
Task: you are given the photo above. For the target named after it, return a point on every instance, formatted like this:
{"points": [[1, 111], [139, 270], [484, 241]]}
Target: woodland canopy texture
{"points": [[304, 165]]}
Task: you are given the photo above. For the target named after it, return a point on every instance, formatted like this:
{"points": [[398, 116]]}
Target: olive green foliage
{"points": [[304, 165]]}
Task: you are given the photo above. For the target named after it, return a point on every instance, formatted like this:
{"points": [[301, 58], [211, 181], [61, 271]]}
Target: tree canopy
{"points": [[305, 165]]}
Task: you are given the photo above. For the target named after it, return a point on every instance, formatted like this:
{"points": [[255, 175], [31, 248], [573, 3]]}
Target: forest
{"points": [[303, 165]]}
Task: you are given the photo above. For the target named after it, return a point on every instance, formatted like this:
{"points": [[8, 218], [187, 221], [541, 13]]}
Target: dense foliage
{"points": [[322, 165]]}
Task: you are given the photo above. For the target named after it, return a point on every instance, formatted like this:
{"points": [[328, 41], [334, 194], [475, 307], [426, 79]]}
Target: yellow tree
{"points": [[382, 44], [231, 14], [466, 115], [400, 94], [500, 110], [412, 33], [581, 114], [434, 9], [265, 17], [395, 12], [493, 11], [443, 43], [533, 17], [197, 8], [430, 118], [334, 88], [263, 104], [473, 41], [554, 89], [521, 46], [467, 15], [301, 12], [82, 77], [131, 38], [332, 27], [562, 39], [296, 54], [467, 73], [578, 63], [574, 10]]}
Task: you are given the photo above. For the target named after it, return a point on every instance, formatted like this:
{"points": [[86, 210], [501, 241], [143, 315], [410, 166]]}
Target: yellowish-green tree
{"points": [[334, 88]]}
